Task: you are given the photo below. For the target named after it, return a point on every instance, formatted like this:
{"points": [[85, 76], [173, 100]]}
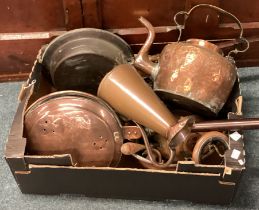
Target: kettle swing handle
{"points": [[241, 39]]}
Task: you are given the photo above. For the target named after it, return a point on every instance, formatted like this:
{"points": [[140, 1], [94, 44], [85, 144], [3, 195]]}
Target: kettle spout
{"points": [[142, 61]]}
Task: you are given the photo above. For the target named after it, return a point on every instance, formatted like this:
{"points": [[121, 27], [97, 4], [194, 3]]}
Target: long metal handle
{"points": [[241, 39], [226, 125]]}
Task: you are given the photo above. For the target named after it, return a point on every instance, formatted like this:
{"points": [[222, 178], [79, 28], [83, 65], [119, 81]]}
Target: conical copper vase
{"points": [[126, 91]]}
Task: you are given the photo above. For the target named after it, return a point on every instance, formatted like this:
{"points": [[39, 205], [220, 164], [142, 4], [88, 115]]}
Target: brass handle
{"points": [[241, 39]]}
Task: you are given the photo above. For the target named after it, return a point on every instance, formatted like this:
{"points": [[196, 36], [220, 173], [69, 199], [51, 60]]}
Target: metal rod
{"points": [[226, 125]]}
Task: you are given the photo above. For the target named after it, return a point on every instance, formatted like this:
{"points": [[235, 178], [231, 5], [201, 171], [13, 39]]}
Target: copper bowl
{"points": [[75, 123]]}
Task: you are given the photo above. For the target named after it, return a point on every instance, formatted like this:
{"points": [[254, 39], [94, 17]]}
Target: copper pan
{"points": [[80, 58], [76, 123]]}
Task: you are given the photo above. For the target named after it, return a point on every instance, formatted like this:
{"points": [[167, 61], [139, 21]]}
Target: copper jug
{"points": [[127, 92], [194, 73]]}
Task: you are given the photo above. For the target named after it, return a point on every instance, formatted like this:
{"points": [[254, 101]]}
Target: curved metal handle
{"points": [[150, 154], [204, 140], [186, 14]]}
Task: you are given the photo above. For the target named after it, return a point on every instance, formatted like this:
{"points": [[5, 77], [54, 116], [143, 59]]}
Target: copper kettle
{"points": [[194, 73]]}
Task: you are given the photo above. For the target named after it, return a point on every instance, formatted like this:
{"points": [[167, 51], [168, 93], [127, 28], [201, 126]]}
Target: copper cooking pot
{"points": [[79, 59], [76, 123], [194, 73]]}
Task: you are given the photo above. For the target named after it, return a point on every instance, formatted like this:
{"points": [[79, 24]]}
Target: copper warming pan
{"points": [[76, 123], [79, 59]]}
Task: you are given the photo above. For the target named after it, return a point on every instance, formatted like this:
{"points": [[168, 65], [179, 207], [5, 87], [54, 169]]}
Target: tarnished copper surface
{"points": [[195, 77], [131, 132], [79, 59], [205, 44], [76, 123], [210, 148], [193, 74]]}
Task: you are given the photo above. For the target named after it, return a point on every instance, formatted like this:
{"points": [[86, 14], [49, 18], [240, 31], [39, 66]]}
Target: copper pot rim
{"points": [[71, 93], [205, 44], [106, 35]]}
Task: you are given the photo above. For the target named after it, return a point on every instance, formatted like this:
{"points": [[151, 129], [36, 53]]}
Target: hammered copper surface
{"points": [[194, 76], [193, 73], [76, 123]]}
